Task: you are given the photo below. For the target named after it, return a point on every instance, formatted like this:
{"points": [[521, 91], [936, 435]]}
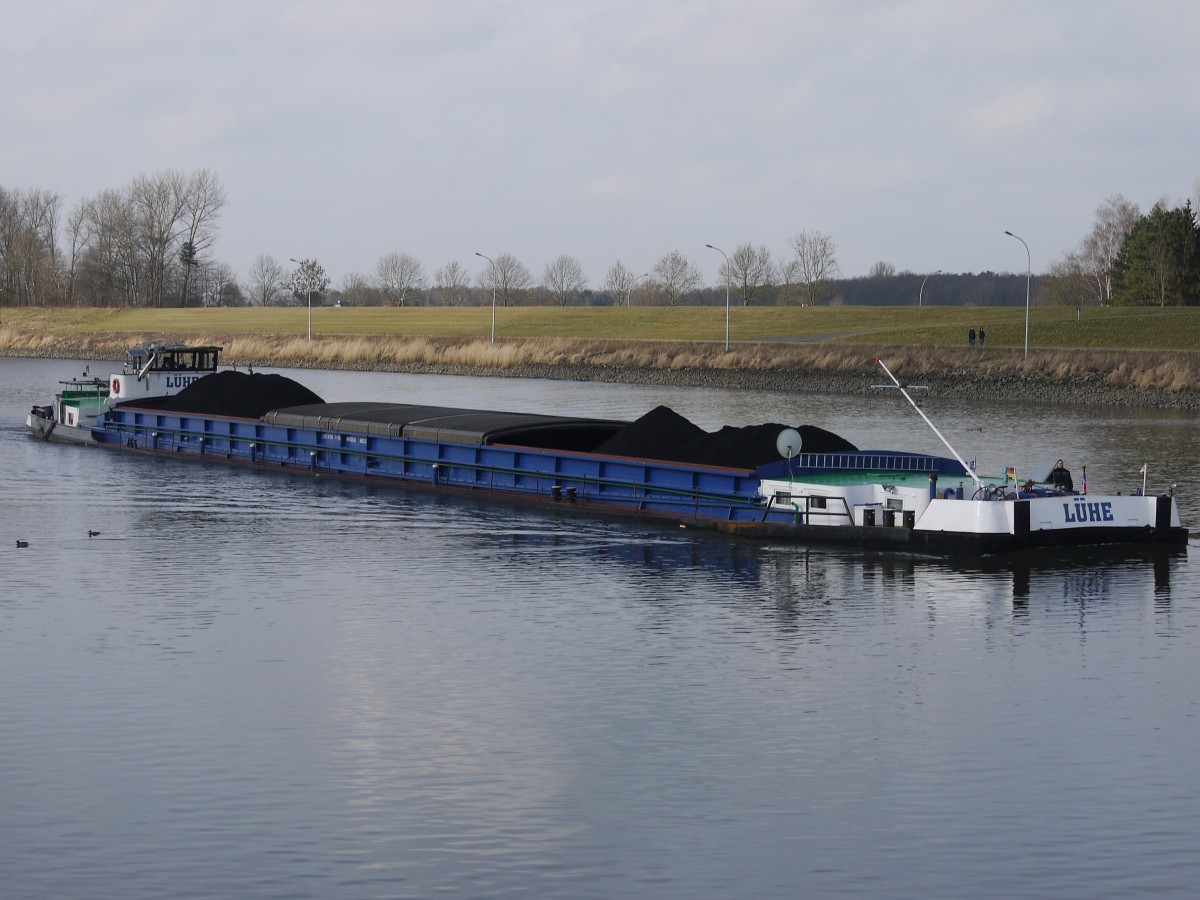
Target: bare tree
{"points": [[29, 247], [1115, 218], [620, 282], [143, 245], [110, 270], [268, 282], [563, 279], [78, 232], [42, 209], [203, 200], [452, 282], [882, 269], [1065, 283], [748, 271], [789, 274], [676, 277], [356, 289], [220, 287], [814, 266], [13, 239], [398, 275], [158, 202], [507, 276]]}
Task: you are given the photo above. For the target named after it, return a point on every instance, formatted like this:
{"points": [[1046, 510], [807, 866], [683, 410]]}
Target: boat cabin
{"points": [[155, 369]]}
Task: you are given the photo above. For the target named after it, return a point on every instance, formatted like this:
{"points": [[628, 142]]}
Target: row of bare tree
{"points": [[750, 274], [144, 245], [150, 244]]}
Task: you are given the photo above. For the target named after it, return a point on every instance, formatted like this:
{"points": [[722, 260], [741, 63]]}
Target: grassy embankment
{"points": [[1143, 348]]}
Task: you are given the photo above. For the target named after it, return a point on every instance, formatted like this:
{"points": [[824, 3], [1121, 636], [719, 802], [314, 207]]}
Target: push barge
{"points": [[773, 482], [152, 370]]}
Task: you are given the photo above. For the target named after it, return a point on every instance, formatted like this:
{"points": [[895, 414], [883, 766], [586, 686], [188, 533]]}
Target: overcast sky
{"points": [[913, 132]]}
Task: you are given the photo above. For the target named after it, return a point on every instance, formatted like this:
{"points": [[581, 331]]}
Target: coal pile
{"points": [[240, 395], [653, 434], [818, 440], [664, 434], [742, 448]]}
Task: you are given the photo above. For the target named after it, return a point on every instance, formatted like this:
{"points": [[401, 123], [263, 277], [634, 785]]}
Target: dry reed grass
{"points": [[1143, 370]]}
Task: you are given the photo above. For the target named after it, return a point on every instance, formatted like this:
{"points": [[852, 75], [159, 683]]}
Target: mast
{"points": [[920, 412]]}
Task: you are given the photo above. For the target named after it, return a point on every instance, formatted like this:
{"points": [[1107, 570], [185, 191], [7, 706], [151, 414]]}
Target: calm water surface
{"points": [[260, 685]]}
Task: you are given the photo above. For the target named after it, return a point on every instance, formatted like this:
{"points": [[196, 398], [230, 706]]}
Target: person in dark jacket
{"points": [[1060, 476]]}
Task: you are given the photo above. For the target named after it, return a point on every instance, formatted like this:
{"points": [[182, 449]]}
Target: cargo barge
{"points": [[772, 482]]}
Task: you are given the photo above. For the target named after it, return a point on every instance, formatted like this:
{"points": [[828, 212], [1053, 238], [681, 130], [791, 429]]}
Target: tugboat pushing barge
{"points": [[153, 369], [774, 482]]}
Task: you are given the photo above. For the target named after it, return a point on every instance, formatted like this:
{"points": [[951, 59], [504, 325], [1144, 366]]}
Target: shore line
{"points": [[951, 384], [954, 382]]}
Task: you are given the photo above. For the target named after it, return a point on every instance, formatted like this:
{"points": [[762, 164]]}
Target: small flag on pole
{"points": [[1010, 474]]}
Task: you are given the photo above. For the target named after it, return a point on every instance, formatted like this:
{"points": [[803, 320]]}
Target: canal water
{"points": [[252, 684]]}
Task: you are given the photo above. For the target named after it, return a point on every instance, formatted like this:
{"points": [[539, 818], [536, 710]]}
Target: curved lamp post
{"points": [[1028, 275], [308, 296], [921, 295], [722, 252], [493, 265]]}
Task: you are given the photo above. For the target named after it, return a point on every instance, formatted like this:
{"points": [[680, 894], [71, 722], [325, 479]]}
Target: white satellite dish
{"points": [[788, 443]]}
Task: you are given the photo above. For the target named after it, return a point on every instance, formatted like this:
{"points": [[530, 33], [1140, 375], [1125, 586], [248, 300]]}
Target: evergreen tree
{"points": [[1159, 262]]}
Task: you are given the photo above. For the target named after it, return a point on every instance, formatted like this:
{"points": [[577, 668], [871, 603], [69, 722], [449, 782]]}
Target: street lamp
{"points": [[493, 265], [308, 295], [722, 252], [1028, 274], [921, 295]]}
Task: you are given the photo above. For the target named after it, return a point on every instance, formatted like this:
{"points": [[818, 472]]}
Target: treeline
{"points": [[940, 289], [151, 244], [144, 245], [1131, 259], [902, 289]]}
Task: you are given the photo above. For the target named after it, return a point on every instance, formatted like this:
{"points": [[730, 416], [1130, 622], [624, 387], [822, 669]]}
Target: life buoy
{"points": [[116, 386]]}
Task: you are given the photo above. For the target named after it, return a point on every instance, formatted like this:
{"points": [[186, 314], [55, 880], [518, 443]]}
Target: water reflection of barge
{"points": [[804, 586], [769, 482]]}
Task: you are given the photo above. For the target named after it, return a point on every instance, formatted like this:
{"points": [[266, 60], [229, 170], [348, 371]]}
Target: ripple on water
{"points": [[252, 684]]}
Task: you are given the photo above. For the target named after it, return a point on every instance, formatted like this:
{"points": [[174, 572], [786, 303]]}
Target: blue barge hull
{"points": [[519, 457], [677, 491]]}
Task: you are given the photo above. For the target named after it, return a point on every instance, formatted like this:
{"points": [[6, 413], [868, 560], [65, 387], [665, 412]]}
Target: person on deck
{"points": [[1060, 476]]}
